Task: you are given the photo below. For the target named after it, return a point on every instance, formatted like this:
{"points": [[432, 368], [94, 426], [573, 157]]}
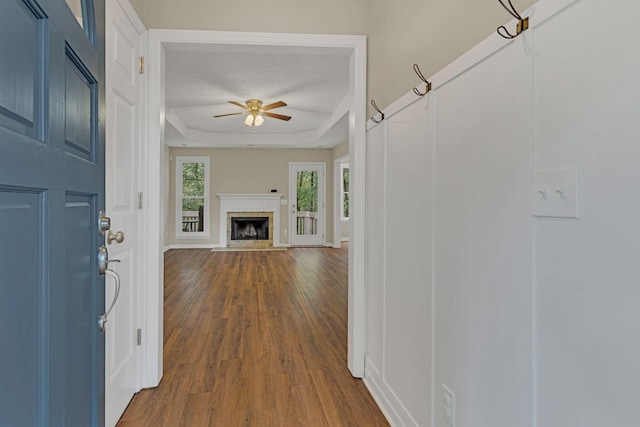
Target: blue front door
{"points": [[51, 189]]}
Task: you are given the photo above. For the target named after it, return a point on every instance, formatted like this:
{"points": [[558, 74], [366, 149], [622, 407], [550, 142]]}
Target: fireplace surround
{"points": [[250, 230], [249, 206]]}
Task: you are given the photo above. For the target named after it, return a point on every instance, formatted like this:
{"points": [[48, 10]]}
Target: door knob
{"points": [[118, 237]]}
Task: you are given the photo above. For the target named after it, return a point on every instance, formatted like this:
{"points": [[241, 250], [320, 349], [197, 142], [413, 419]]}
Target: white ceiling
{"points": [[201, 78]]}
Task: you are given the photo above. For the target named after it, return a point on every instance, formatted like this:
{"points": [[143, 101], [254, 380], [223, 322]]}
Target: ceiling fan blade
{"points": [[225, 115], [274, 105], [278, 116], [238, 104]]}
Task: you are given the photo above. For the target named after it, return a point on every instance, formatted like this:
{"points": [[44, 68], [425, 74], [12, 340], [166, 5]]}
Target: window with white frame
{"points": [[344, 186], [192, 196]]}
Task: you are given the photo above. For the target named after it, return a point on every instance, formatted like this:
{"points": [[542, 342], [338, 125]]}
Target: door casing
{"points": [[155, 179]]}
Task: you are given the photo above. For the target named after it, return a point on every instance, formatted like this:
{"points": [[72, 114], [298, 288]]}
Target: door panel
{"points": [[21, 223], [122, 145], [21, 77], [80, 116], [72, 312], [307, 203], [51, 187]]}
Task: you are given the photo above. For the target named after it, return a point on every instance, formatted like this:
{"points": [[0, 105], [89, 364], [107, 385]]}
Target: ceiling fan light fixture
{"points": [[255, 112], [254, 119]]}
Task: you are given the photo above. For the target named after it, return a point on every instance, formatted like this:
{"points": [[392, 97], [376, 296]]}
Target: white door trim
{"points": [[154, 178]]}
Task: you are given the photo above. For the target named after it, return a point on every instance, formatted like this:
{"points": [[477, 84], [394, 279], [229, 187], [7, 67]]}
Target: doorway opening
{"points": [[156, 174]]}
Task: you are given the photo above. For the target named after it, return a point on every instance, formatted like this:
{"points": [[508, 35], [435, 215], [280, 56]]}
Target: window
{"points": [[192, 197], [344, 196]]}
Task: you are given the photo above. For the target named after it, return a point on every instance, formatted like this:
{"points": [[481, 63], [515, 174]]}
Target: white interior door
{"points": [[122, 205], [307, 204]]}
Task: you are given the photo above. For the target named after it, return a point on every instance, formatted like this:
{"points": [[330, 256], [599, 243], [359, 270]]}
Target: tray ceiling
{"points": [[200, 79]]}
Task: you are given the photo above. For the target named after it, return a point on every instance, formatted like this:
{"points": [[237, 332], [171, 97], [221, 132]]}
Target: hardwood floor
{"points": [[255, 339]]}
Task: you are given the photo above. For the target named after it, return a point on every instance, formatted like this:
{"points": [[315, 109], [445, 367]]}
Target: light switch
{"points": [[284, 201], [555, 193]]}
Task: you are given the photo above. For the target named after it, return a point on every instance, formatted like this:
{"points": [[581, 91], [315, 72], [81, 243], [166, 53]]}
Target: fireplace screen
{"points": [[250, 228]]}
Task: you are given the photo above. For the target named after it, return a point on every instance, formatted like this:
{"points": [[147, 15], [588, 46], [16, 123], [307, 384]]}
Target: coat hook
{"points": [[523, 23], [373, 104], [428, 83]]}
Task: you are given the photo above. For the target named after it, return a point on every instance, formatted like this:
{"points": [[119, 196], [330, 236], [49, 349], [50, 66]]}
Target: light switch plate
{"points": [[284, 201], [555, 193], [448, 406]]}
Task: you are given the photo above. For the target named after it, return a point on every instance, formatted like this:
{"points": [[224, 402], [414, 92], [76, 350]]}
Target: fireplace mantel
{"points": [[249, 203]]}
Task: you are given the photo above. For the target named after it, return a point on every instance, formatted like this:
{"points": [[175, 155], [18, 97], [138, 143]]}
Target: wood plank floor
{"points": [[255, 339]]}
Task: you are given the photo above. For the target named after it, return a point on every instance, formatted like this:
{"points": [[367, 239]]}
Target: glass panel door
{"points": [[307, 208], [307, 203]]}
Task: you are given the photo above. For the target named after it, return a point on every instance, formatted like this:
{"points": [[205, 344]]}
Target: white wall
{"points": [[587, 91], [248, 171], [429, 32], [399, 260], [530, 321], [482, 241]]}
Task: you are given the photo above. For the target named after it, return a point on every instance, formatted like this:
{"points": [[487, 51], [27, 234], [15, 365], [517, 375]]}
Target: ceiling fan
{"points": [[255, 112]]}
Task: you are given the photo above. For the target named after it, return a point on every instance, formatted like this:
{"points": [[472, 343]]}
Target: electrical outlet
{"points": [[285, 231], [448, 405]]}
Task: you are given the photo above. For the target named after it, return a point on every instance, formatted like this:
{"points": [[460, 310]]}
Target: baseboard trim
{"points": [[192, 246], [387, 401]]}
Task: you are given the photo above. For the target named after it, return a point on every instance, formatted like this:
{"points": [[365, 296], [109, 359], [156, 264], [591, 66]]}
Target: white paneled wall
{"points": [[408, 236], [530, 321], [484, 152], [375, 166], [588, 115]]}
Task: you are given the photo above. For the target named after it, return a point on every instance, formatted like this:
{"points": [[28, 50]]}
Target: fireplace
{"points": [[250, 206], [250, 229]]}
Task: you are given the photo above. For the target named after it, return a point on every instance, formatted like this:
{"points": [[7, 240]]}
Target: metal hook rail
{"points": [[373, 104], [426, 82], [523, 23]]}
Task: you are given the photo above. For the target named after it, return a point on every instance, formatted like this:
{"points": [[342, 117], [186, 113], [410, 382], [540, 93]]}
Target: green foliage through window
{"points": [[192, 204], [345, 192], [307, 190], [193, 179], [191, 194]]}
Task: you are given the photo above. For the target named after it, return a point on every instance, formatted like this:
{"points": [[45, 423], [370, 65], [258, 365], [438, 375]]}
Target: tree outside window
{"points": [[345, 192], [307, 191], [192, 186], [192, 205]]}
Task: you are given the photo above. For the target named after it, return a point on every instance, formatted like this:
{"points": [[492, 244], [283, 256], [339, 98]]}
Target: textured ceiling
{"points": [[200, 79]]}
